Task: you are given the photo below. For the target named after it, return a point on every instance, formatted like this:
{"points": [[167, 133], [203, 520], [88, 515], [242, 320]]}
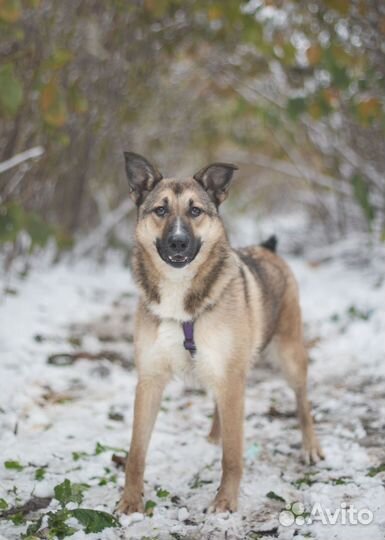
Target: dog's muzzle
{"points": [[178, 247]]}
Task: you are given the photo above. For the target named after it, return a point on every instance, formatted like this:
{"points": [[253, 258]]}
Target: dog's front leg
{"points": [[147, 402], [230, 402]]}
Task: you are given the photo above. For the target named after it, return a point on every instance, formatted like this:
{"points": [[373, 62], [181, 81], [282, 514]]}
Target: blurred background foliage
{"points": [[293, 91]]}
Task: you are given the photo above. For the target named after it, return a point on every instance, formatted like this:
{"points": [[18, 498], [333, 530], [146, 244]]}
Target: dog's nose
{"points": [[178, 243]]}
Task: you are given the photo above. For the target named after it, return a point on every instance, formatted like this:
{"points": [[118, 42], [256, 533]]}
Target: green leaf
{"points": [[60, 58], [198, 482], [108, 478], [14, 219], [13, 465], [94, 521], [57, 525], [149, 507], [162, 493], [296, 106], [361, 192], [356, 313], [11, 222], [289, 53], [306, 480], [79, 455], [373, 471], [11, 91], [67, 492], [340, 77], [341, 481], [38, 230], [40, 473], [3, 504], [275, 497], [17, 519], [339, 74], [100, 448], [33, 528]]}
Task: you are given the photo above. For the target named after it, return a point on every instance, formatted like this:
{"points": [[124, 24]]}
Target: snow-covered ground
{"points": [[52, 416]]}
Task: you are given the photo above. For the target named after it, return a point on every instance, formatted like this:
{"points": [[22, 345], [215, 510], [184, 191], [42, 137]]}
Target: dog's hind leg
{"points": [[294, 359], [215, 431]]}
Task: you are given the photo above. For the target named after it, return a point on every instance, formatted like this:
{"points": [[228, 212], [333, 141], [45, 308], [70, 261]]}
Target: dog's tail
{"points": [[270, 243]]}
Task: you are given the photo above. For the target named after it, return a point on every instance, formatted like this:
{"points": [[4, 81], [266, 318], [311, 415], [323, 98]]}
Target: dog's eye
{"points": [[160, 211], [195, 211]]}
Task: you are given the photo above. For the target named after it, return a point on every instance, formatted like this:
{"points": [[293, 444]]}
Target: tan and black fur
{"points": [[241, 301]]}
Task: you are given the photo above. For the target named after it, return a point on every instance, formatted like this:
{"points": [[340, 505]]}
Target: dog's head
{"points": [[177, 219]]}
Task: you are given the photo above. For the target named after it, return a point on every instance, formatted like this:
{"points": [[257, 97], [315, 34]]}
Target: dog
{"points": [[207, 308]]}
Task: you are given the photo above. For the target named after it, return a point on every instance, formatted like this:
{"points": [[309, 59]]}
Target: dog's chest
{"points": [[207, 364], [171, 305], [169, 346]]}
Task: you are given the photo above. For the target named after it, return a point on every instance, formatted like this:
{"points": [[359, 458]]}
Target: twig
{"points": [[67, 359], [34, 504], [351, 157], [119, 461], [35, 152], [286, 168]]}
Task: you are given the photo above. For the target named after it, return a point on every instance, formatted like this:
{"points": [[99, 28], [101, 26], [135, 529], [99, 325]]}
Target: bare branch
{"points": [[35, 152], [351, 157], [286, 168]]}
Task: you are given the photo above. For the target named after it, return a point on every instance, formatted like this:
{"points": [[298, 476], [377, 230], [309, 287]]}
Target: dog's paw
{"points": [[313, 452], [223, 503], [130, 504]]}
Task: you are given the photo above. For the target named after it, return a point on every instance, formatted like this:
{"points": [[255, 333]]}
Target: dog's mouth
{"points": [[177, 260]]}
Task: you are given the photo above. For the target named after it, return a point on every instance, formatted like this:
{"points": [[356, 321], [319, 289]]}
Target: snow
{"points": [[50, 412]]}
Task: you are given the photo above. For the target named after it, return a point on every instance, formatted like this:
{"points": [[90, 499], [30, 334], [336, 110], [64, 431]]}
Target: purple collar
{"points": [[189, 343]]}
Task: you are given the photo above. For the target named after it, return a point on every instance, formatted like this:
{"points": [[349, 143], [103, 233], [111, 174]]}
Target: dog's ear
{"points": [[216, 180], [142, 176]]}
